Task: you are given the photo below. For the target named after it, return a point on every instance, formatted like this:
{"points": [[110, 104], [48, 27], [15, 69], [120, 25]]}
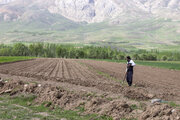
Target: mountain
{"points": [[92, 10], [99, 10], [5, 1], [146, 24]]}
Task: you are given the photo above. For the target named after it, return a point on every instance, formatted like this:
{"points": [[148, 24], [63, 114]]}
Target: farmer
{"points": [[129, 70]]}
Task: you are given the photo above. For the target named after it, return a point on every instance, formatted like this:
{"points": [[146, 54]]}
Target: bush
{"points": [[164, 58]]}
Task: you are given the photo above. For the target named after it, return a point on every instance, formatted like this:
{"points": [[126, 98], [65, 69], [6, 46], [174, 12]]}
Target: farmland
{"points": [[94, 87], [5, 59], [175, 65]]}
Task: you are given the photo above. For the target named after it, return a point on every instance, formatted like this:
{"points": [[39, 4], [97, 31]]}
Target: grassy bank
{"points": [[5, 59], [23, 108], [175, 65], [161, 64]]}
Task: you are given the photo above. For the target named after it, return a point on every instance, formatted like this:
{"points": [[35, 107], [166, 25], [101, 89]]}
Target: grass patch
{"points": [[109, 98], [175, 65], [93, 94], [161, 64], [18, 108], [129, 119], [5, 59], [134, 107], [81, 108], [173, 104]]}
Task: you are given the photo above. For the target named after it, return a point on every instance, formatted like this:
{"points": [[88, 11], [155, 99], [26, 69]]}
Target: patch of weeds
{"points": [[90, 94], [39, 108], [109, 98], [142, 106], [23, 99], [16, 108], [13, 108], [129, 119], [102, 96], [173, 104], [104, 117], [6, 80], [46, 104], [134, 107], [34, 82], [81, 108], [75, 115]]}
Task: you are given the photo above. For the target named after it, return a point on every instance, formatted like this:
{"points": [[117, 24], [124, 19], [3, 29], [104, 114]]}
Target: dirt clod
{"points": [[1, 83], [159, 112]]}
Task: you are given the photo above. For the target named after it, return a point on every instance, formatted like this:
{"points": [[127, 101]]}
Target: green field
{"points": [[175, 65], [4, 59], [161, 64], [23, 108]]}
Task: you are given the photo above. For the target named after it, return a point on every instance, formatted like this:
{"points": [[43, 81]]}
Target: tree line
{"points": [[156, 55], [92, 52], [60, 51]]}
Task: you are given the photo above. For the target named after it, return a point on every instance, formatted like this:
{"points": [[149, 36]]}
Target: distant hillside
{"points": [[146, 34]]}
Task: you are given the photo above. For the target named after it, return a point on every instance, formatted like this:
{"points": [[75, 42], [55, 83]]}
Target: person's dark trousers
{"points": [[129, 77]]}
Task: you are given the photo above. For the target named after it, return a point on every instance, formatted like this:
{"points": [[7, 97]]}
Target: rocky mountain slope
{"points": [[91, 10]]}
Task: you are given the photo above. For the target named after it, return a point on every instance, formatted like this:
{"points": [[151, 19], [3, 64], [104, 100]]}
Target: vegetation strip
{"points": [[22, 107], [175, 65], [92, 52], [10, 59]]}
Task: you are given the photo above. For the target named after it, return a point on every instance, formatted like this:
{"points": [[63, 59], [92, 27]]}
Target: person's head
{"points": [[128, 58]]}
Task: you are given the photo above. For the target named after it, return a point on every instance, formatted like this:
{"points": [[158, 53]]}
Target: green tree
{"points": [[7, 51], [136, 57], [20, 49], [37, 49], [61, 52], [164, 58]]}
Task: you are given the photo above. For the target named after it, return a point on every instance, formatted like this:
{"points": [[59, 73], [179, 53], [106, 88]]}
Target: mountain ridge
{"points": [[91, 11]]}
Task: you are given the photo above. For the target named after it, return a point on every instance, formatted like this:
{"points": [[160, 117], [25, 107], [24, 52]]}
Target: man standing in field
{"points": [[129, 70]]}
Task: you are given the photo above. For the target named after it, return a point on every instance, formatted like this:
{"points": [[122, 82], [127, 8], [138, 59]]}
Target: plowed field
{"points": [[160, 82], [103, 78], [163, 83]]}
